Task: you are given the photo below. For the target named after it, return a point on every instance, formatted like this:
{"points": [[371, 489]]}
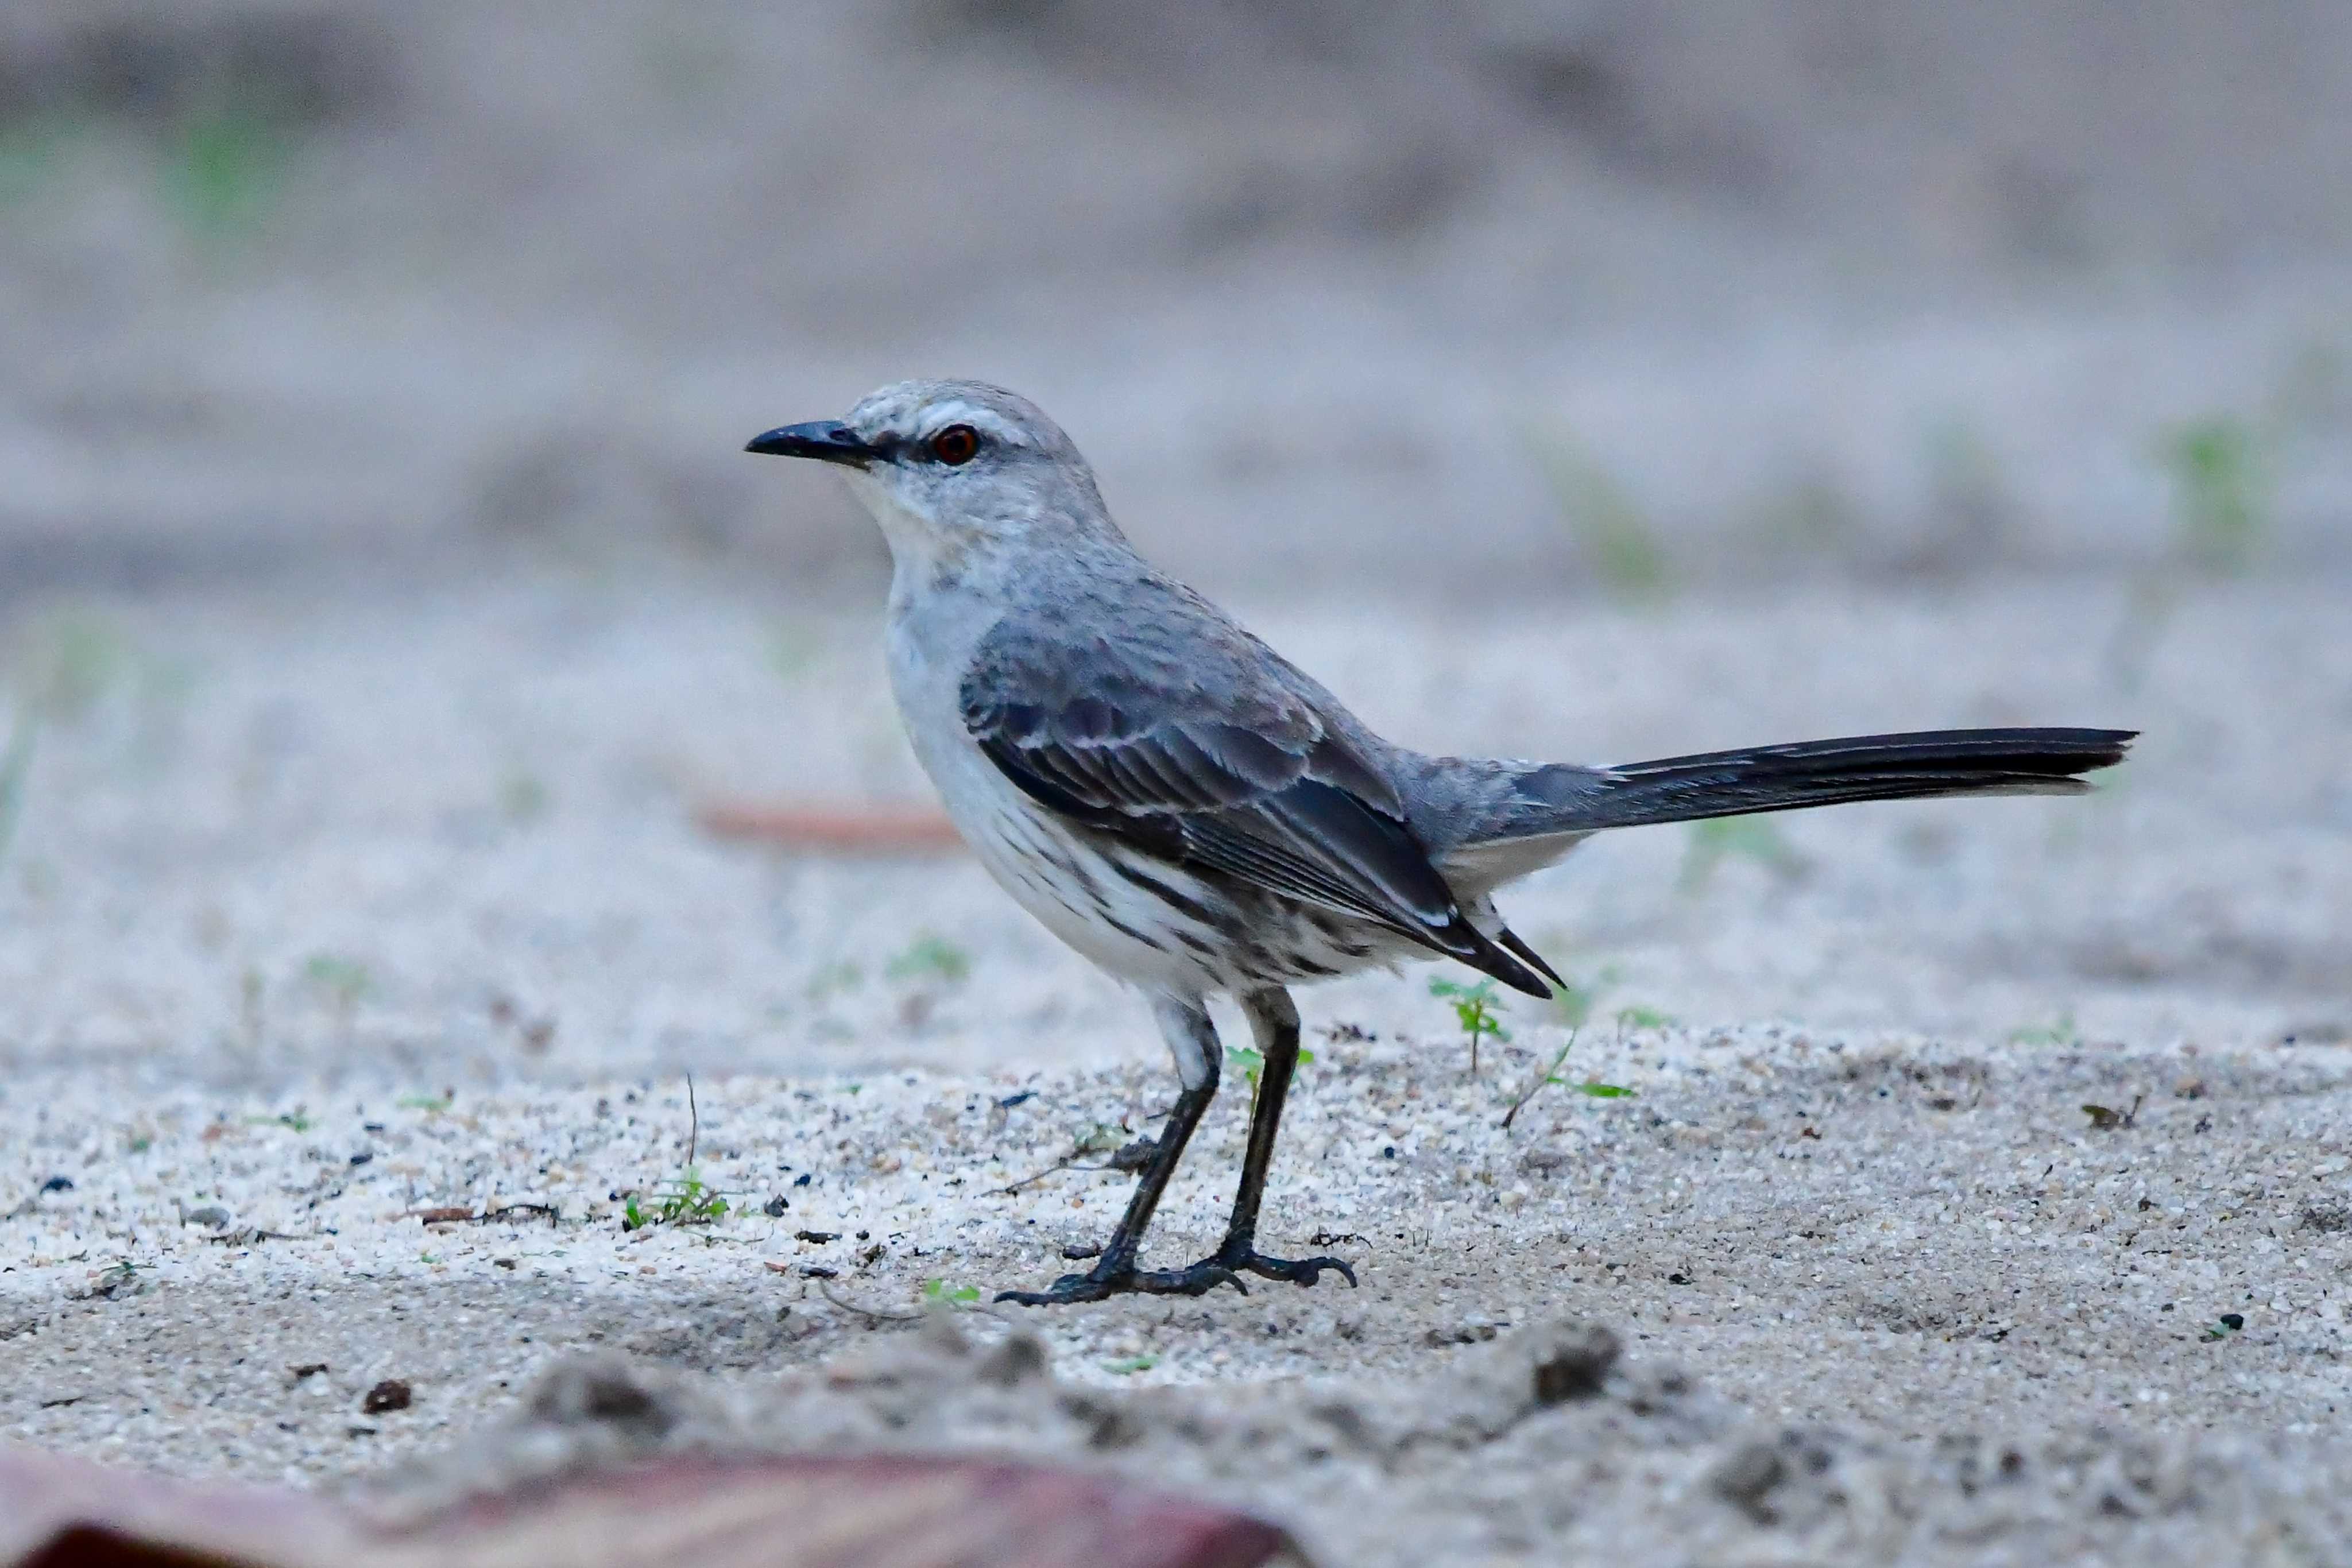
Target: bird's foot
{"points": [[1120, 1277], [1116, 1276]]}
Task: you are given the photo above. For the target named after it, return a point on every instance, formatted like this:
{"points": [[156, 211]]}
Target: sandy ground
{"points": [[388, 593], [1803, 289], [319, 918]]}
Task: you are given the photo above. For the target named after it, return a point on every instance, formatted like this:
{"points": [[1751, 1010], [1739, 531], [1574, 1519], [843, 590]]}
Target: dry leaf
{"points": [[883, 1511]]}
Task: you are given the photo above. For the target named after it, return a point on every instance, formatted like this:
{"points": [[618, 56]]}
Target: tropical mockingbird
{"points": [[1184, 807]]}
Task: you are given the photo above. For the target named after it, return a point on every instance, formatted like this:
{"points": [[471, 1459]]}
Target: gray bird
{"points": [[1195, 815]]}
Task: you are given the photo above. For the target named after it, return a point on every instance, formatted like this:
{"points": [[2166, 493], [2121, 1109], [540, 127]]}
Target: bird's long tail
{"points": [[1831, 772], [1548, 810]]}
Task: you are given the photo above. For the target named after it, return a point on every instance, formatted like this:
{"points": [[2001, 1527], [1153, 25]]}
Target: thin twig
{"points": [[693, 1124], [1116, 1162], [852, 829], [1048, 1171], [826, 1291], [459, 1215]]}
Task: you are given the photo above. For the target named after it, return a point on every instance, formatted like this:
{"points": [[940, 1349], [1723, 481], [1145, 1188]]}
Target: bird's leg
{"points": [[1274, 1019], [1193, 1037]]}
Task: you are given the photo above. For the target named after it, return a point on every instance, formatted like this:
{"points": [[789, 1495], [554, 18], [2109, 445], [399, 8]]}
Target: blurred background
{"points": [[382, 592]]}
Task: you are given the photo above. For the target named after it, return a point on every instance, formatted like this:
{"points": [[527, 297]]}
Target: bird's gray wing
{"points": [[1197, 762]]}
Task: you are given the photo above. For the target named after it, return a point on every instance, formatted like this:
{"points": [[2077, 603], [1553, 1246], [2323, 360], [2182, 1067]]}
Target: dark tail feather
{"points": [[1533, 959], [1514, 963], [1863, 768]]}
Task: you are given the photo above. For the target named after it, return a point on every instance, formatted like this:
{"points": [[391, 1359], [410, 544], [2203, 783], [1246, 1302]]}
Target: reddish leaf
{"points": [[800, 1511]]}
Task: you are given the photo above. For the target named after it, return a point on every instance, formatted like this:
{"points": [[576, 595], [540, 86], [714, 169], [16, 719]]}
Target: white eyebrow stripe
{"points": [[939, 415]]}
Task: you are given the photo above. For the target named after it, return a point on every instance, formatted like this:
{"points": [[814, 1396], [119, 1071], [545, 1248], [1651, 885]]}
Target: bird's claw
{"points": [[1297, 1270]]}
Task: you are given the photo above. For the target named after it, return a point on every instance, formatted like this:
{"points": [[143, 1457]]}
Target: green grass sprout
{"points": [[1610, 526], [1473, 1010], [1592, 1088], [2221, 490], [1721, 838], [931, 958], [345, 981], [684, 1198], [1250, 1061], [2062, 1032]]}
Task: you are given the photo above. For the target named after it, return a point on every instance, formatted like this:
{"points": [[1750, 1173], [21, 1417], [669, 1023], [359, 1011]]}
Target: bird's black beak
{"points": [[827, 440]]}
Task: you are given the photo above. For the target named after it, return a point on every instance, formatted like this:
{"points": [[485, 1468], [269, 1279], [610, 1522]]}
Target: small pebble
{"points": [[388, 1396]]}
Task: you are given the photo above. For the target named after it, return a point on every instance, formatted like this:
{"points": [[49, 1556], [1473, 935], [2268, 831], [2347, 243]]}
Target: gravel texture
{"points": [[328, 932], [382, 594]]}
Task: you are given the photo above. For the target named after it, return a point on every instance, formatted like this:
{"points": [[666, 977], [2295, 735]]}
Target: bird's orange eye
{"points": [[956, 445]]}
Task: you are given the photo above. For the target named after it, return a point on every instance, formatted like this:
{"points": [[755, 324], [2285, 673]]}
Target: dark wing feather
{"points": [[1257, 788]]}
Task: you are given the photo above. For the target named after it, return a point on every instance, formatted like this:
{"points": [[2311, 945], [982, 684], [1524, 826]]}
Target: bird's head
{"points": [[950, 467]]}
